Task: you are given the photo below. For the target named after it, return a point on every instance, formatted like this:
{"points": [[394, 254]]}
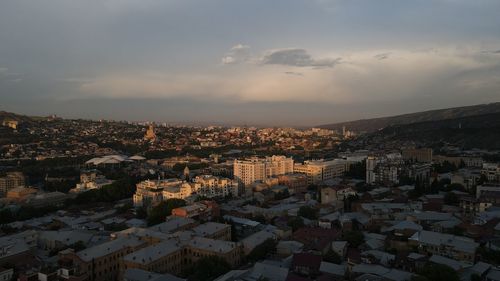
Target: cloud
{"points": [[382, 56], [7, 75], [296, 57], [294, 73], [238, 54]]}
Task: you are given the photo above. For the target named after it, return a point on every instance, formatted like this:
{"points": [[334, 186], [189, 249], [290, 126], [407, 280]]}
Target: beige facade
{"points": [[175, 255], [321, 170], [211, 186], [103, 262], [255, 169], [9, 181], [150, 193], [417, 154]]}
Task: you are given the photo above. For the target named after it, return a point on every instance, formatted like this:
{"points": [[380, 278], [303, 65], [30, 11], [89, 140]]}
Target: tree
{"points": [[438, 272], [261, 251], [475, 277], [332, 256], [355, 238], [164, 209], [296, 223], [451, 198], [357, 170], [208, 268], [418, 278], [308, 212]]}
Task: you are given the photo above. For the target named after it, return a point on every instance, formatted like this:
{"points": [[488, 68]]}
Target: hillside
{"points": [[4, 115], [479, 131], [371, 125]]}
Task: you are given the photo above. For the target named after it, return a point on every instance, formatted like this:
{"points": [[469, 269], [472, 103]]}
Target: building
{"points": [[467, 161], [248, 171], [176, 254], [150, 133], [13, 124], [335, 193], [11, 180], [150, 193], [321, 170], [296, 183], [102, 262], [382, 169], [202, 210], [213, 230], [90, 179], [455, 247], [423, 155], [491, 171], [212, 186], [20, 194]]}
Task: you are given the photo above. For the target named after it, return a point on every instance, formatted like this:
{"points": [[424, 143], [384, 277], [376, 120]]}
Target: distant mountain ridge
{"points": [[478, 131], [4, 115], [371, 125]]}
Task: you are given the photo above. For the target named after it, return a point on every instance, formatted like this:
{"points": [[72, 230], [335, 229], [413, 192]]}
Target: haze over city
{"points": [[258, 140], [291, 63]]}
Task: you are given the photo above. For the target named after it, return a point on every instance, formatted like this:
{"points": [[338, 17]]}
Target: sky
{"points": [[258, 62]]}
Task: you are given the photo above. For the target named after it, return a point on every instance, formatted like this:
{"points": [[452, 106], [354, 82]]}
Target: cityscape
{"points": [[294, 140]]}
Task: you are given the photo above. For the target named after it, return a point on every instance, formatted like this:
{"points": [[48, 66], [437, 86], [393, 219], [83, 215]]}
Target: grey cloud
{"points": [[490, 52], [7, 75], [294, 73], [238, 54], [296, 57], [382, 56]]}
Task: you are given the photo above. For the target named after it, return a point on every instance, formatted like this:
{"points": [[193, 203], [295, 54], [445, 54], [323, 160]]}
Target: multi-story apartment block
{"points": [[150, 193], [9, 181], [381, 169], [211, 186], [102, 262], [248, 171], [176, 254], [417, 155], [321, 170], [491, 171]]}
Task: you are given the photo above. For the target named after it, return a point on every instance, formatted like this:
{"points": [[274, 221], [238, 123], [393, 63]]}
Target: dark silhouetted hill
{"points": [[371, 125]]}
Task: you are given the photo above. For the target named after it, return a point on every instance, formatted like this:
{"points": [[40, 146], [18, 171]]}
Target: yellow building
{"points": [[321, 170]]}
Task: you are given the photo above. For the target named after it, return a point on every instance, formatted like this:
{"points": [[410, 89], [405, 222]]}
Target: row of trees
{"points": [[161, 211]]}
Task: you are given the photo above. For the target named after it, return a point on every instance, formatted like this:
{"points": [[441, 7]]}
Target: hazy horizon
{"points": [[295, 63]]}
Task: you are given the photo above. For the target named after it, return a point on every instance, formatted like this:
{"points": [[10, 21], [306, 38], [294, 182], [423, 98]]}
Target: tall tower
{"points": [[186, 173], [150, 133]]}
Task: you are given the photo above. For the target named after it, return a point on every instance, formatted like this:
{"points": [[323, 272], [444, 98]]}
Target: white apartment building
{"points": [[90, 180], [248, 171], [211, 186], [382, 169], [150, 193], [491, 171], [321, 170]]}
